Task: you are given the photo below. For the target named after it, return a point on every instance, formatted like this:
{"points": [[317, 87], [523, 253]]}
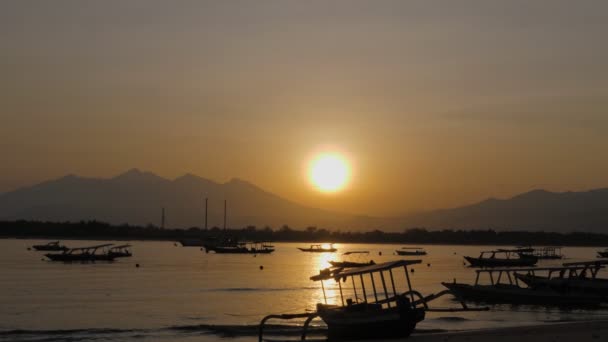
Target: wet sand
{"points": [[554, 332]]}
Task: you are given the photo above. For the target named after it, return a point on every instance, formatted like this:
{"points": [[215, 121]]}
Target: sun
{"points": [[329, 172]]}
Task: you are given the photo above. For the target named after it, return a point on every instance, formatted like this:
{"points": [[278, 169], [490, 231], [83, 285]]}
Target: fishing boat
{"points": [[121, 251], [542, 253], [352, 263], [572, 277], [91, 253], [603, 254], [510, 258], [504, 288], [413, 251], [319, 249], [390, 309], [242, 248], [51, 246]]}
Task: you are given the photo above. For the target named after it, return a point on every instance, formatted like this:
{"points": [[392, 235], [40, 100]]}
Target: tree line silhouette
{"points": [[103, 230]]}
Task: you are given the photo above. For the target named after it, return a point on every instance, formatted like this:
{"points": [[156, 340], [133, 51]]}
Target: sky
{"points": [[434, 103]]}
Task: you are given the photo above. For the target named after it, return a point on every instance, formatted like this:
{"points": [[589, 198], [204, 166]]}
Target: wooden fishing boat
{"points": [[242, 248], [390, 310], [572, 277], [51, 246], [510, 258], [91, 253], [412, 251], [353, 263], [510, 291], [548, 252], [121, 251], [319, 249]]}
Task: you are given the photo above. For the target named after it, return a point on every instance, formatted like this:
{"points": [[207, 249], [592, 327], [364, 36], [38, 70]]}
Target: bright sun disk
{"points": [[329, 173]]}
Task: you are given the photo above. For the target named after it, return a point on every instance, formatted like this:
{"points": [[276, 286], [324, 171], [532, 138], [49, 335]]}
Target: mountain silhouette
{"points": [[136, 197]]}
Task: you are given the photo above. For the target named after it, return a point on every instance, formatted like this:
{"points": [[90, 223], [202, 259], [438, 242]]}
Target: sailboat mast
{"points": [[224, 214], [206, 202], [162, 219]]}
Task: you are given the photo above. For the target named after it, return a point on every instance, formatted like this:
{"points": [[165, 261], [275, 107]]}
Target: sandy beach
{"points": [[554, 332]]}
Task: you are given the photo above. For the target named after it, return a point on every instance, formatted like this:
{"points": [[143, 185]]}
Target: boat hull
{"points": [[602, 254], [496, 262], [238, 250], [512, 294], [566, 285], [317, 250], [349, 264], [410, 253], [79, 257], [369, 321]]}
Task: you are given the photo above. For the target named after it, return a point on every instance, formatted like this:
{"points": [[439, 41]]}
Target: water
{"points": [[184, 294]]}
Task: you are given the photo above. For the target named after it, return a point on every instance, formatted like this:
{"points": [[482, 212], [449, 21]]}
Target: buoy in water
{"points": [[412, 270], [137, 265], [261, 267], [379, 253], [428, 265]]}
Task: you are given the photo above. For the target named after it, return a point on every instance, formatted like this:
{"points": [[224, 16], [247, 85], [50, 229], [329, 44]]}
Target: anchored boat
{"points": [[51, 246], [509, 258], [319, 249], [411, 251], [121, 251], [92, 253], [242, 248], [384, 311], [353, 263]]}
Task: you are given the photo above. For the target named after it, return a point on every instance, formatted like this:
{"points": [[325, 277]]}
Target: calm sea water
{"points": [[183, 294]]}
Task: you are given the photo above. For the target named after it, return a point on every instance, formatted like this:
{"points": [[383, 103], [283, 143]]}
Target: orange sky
{"points": [[437, 104]]}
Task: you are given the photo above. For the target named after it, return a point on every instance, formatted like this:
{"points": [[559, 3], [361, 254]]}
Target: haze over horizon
{"points": [[433, 104]]}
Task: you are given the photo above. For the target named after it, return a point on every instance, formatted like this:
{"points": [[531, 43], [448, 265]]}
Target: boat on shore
{"points": [[503, 288], [121, 251], [257, 247], [91, 253], [412, 251], [50, 246], [510, 258], [384, 311], [319, 249]]}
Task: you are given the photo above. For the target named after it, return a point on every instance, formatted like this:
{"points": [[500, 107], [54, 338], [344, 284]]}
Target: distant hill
{"points": [[137, 197], [535, 210]]}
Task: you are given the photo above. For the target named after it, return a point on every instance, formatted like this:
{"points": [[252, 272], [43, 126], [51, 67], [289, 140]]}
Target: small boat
{"points": [[511, 258], [242, 248], [411, 251], [51, 246], [510, 291], [191, 242], [543, 253], [603, 254], [121, 251], [383, 311], [319, 249], [92, 253], [571, 277], [352, 263]]}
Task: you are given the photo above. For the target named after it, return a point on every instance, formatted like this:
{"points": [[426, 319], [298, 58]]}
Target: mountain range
{"points": [[137, 197]]}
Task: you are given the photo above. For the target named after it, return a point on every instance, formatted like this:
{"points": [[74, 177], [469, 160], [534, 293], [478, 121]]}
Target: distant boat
{"points": [[603, 254], [319, 249], [242, 248], [352, 263], [51, 246], [511, 257], [551, 253], [91, 253], [191, 242], [121, 251], [411, 251]]}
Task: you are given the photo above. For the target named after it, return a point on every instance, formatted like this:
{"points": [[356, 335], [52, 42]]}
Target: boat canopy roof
{"points": [[503, 250], [527, 269], [93, 247], [341, 273], [587, 263], [356, 252]]}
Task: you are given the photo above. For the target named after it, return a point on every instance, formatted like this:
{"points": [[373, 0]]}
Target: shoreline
{"points": [[580, 331]]}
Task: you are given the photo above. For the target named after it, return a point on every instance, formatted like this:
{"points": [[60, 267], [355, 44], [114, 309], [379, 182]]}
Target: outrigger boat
{"points": [[411, 251], [545, 253], [367, 315], [348, 263], [509, 291], [84, 254], [319, 249], [512, 258], [572, 277], [121, 251], [242, 248], [603, 254], [51, 246]]}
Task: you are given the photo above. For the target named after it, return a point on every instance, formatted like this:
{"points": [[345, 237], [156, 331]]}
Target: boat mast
{"points": [[162, 219], [224, 214], [206, 202]]}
